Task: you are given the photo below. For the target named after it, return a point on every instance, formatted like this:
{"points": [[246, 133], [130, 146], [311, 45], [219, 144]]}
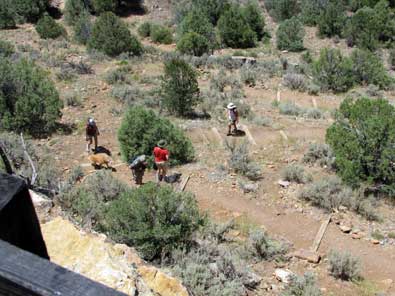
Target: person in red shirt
{"points": [[161, 158]]}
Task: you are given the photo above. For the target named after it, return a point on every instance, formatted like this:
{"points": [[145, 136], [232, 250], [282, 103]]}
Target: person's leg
{"points": [[158, 171], [88, 145], [164, 170], [139, 177], [234, 126], [229, 128], [95, 138]]}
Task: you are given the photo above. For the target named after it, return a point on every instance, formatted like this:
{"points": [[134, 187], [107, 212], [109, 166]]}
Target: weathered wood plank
{"points": [[320, 234], [183, 184], [248, 134], [284, 135]]}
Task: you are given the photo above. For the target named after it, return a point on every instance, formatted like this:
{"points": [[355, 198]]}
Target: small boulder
{"points": [[284, 184], [283, 275], [345, 228], [308, 255]]}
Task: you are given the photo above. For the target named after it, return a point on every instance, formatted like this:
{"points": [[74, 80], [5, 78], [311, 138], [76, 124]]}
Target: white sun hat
{"points": [[231, 106]]}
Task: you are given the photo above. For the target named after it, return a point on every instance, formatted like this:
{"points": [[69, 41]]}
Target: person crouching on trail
{"points": [[233, 117], [138, 167], [91, 134], [161, 158]]}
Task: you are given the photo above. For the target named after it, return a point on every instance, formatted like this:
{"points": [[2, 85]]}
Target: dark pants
{"points": [[138, 176]]}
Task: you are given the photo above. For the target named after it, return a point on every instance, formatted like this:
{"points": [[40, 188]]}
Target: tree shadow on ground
{"points": [[135, 8]]}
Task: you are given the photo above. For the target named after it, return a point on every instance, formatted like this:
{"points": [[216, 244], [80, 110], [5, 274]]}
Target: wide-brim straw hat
{"points": [[162, 143], [231, 106]]}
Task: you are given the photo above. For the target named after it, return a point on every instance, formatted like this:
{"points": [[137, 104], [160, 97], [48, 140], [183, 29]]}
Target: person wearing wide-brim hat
{"points": [[161, 155], [233, 118]]}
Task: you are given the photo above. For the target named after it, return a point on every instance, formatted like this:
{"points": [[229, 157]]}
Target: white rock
{"points": [[283, 275]]}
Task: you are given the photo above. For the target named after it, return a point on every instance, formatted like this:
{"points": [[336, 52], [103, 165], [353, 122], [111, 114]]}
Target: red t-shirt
{"points": [[161, 154]]}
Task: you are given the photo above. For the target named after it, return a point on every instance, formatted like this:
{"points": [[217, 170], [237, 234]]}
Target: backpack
{"points": [[91, 129]]}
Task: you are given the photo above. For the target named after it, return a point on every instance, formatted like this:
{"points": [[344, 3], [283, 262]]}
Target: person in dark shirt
{"points": [[138, 167], [91, 132]]}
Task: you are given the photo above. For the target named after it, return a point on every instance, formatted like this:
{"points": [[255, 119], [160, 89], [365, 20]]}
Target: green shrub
{"points": [[254, 17], [161, 34], [234, 29], [290, 34], [140, 131], [83, 28], [333, 71], [361, 138], [47, 28], [305, 285], [311, 10], [119, 75], [6, 49], [154, 219], [332, 19], [385, 20], [295, 173], [281, 10], [343, 265], [369, 69], [144, 29], [241, 162], [102, 6], [73, 11], [198, 22], [193, 44], [248, 75], [7, 14], [357, 4], [179, 87], [30, 10], [88, 200], [263, 247], [111, 36], [295, 81], [328, 193], [321, 154], [29, 101], [208, 271], [362, 29]]}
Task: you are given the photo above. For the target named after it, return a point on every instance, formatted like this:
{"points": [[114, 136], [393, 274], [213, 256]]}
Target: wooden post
{"points": [[183, 184], [284, 135], [248, 134], [320, 234]]}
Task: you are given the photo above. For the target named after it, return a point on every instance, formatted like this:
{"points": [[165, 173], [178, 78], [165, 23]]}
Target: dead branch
{"points": [[6, 161], [34, 173]]}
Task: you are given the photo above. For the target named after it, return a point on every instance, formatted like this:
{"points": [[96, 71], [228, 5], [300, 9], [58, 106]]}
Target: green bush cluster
{"points": [[369, 26], [154, 219], [47, 28], [369, 69], [180, 88], [140, 131], [161, 34], [238, 26], [111, 36], [290, 34], [29, 10], [361, 139], [234, 29], [321, 154], [332, 19], [7, 14], [29, 101], [144, 30], [281, 10], [83, 28], [333, 71], [193, 44], [73, 10]]}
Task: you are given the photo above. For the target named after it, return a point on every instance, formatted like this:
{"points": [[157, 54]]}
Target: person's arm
{"points": [[97, 131]]}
